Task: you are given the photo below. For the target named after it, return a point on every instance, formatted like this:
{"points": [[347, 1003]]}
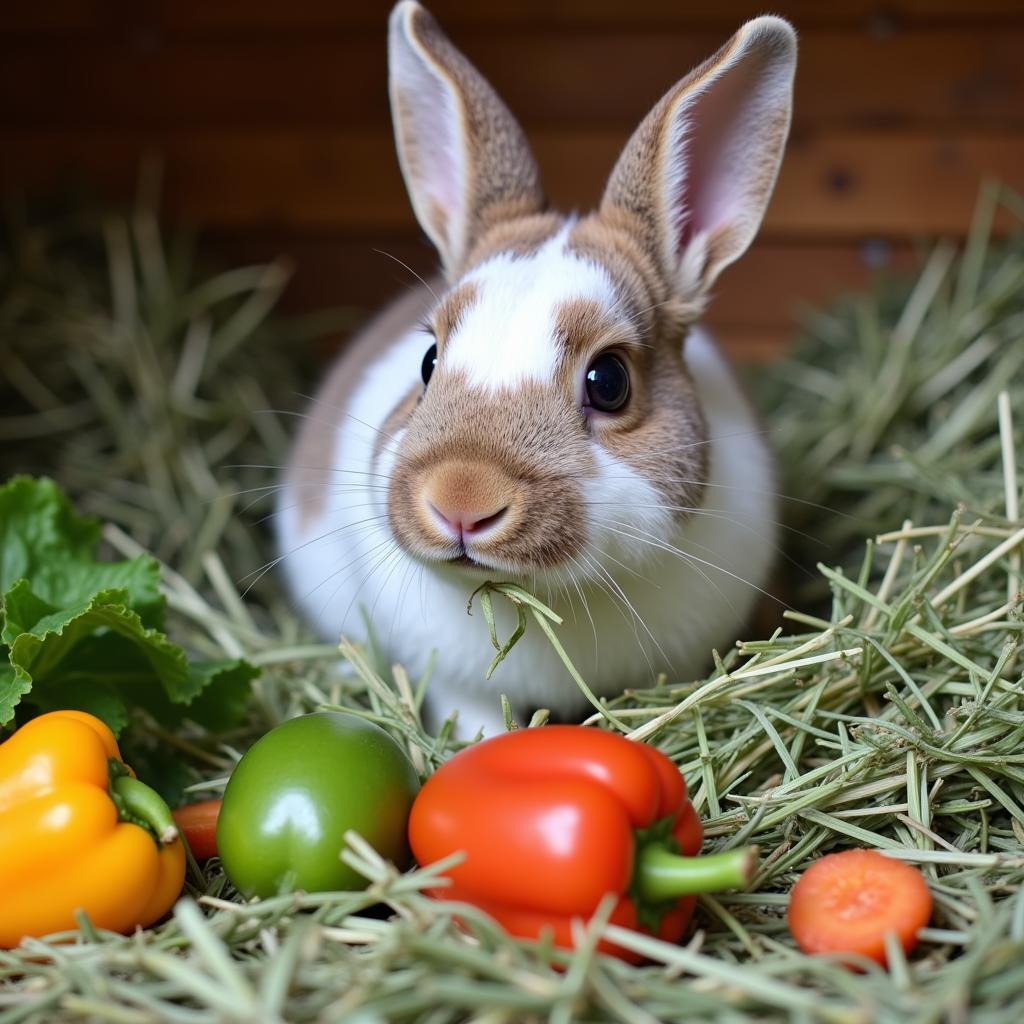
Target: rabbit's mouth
{"points": [[473, 568], [466, 561]]}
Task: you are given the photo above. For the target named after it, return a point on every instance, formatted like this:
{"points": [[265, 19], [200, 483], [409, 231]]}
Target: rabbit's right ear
{"points": [[694, 180], [464, 157]]}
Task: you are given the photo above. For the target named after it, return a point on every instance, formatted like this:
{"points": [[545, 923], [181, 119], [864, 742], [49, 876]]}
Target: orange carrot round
{"points": [[198, 824], [847, 902]]}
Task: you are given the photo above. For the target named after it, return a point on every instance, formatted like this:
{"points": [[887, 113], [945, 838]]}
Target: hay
{"points": [[892, 718]]}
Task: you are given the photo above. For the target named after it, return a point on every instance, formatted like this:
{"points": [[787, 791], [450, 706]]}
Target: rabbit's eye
{"points": [[607, 383], [429, 362]]}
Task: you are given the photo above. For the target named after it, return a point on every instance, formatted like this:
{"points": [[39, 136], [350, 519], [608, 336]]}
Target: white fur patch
{"points": [[621, 504], [507, 336], [334, 562]]}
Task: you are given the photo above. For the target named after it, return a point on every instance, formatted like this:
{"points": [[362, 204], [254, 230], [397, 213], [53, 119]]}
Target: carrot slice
{"points": [[198, 824], [847, 902]]}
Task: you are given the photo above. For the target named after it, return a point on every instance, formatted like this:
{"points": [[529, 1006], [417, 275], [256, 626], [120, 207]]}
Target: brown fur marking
{"points": [[395, 420], [531, 436], [662, 423], [519, 238], [580, 327], [453, 307]]}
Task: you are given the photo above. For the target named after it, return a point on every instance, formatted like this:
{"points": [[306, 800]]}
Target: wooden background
{"points": [[270, 120]]}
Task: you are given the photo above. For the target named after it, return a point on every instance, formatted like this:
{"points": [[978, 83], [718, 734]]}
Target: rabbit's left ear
{"points": [[696, 176], [465, 160]]}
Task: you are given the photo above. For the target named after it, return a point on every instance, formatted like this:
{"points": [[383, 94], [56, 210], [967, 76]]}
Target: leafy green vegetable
{"points": [[80, 633], [44, 541]]}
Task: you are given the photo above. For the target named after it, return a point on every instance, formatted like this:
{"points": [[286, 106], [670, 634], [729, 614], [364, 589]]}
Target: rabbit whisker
{"points": [[583, 597], [595, 578], [688, 555], [333, 508], [666, 478], [390, 550], [690, 560], [408, 576], [627, 611], [726, 517], [761, 432], [402, 263], [383, 586], [332, 424], [262, 570], [634, 318], [314, 469]]}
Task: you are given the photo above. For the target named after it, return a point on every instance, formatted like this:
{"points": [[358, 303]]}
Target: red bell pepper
{"points": [[553, 819]]}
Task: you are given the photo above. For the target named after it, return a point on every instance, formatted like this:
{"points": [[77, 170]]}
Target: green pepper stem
{"points": [[663, 875], [138, 803]]}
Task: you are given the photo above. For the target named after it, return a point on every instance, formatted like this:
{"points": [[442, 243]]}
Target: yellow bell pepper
{"points": [[79, 832]]}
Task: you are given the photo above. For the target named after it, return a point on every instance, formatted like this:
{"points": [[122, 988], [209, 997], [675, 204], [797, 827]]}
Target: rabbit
{"points": [[547, 411]]}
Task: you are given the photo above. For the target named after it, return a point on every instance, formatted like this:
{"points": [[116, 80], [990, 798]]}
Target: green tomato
{"points": [[295, 793]]}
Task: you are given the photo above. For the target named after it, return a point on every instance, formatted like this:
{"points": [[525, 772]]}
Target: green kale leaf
{"points": [[79, 633]]}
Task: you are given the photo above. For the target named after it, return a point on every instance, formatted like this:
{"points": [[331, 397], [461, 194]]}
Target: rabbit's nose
{"points": [[463, 522], [466, 500]]}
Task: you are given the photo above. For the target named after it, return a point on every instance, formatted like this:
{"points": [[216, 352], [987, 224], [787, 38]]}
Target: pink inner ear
{"points": [[718, 158], [431, 136]]}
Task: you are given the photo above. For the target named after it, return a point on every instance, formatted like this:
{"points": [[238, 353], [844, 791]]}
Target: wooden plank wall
{"points": [[270, 120]]}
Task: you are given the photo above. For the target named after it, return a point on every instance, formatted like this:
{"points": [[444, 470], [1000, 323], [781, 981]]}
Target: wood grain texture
{"points": [[934, 79], [270, 122], [231, 16], [852, 184]]}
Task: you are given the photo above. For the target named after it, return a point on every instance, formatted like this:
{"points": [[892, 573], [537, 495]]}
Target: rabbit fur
{"points": [[648, 528]]}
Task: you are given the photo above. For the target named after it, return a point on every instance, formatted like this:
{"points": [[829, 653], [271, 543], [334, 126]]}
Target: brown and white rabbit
{"points": [[548, 413]]}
